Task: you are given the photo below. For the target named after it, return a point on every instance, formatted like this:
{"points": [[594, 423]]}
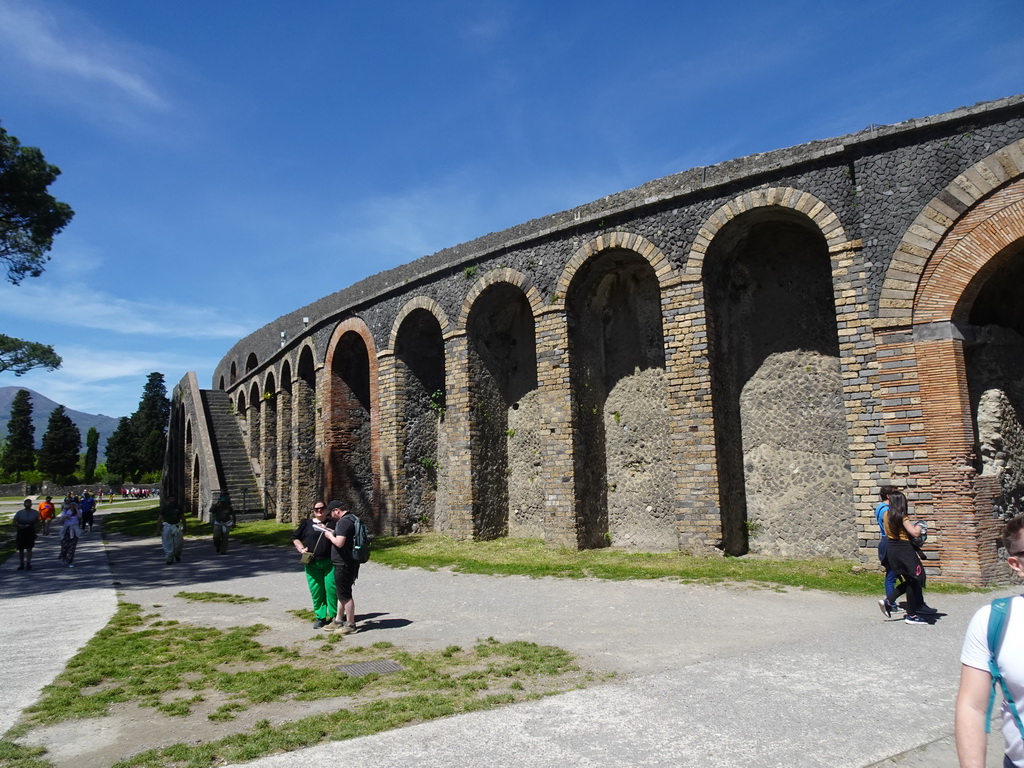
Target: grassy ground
{"points": [[178, 668], [527, 557]]}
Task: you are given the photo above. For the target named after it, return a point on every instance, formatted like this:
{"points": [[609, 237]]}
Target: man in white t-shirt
{"points": [[975, 680]]}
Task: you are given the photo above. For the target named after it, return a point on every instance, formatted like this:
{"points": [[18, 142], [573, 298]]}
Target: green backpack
{"points": [[996, 629], [361, 539]]}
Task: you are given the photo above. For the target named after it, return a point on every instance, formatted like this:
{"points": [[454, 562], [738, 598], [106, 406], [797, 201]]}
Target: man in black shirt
{"points": [[346, 567]]}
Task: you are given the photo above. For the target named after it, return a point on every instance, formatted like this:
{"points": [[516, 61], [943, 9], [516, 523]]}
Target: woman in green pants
{"points": [[320, 569]]}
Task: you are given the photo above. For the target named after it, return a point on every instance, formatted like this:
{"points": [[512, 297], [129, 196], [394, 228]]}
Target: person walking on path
{"points": [[901, 558], [887, 606], [346, 567], [25, 522], [46, 512], [316, 549], [171, 522], [975, 678], [70, 533], [222, 517], [87, 506]]}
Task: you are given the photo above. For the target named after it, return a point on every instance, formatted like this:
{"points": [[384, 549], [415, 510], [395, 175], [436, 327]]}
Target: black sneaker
{"points": [[883, 605], [320, 623], [913, 618], [927, 610]]}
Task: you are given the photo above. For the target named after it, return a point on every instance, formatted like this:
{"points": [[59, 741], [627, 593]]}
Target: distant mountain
{"points": [[43, 406]]}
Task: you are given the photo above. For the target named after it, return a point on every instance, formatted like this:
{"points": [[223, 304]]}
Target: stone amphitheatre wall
{"points": [[731, 359]]}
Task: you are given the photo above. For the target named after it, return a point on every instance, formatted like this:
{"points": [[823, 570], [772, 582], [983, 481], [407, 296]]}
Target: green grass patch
{"points": [[17, 756], [141, 522], [136, 521], [174, 667], [219, 597], [528, 557]]}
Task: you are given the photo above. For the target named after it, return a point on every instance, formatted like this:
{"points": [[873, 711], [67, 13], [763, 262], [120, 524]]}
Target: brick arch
{"points": [[296, 356], [335, 414], [420, 302], [627, 241], [788, 198], [915, 253], [947, 287], [360, 328], [494, 277]]}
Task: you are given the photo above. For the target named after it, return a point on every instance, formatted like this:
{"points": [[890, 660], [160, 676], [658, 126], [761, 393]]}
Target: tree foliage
{"points": [[138, 444], [21, 357], [121, 451], [92, 452], [30, 217], [58, 456], [20, 451], [149, 424]]}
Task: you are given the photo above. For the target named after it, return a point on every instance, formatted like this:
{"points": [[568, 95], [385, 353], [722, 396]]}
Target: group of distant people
{"points": [[75, 519], [138, 493]]}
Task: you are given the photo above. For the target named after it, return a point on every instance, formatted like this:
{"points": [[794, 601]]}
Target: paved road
{"points": [[707, 675]]}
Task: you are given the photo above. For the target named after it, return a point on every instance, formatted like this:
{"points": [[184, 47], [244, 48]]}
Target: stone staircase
{"points": [[233, 465]]}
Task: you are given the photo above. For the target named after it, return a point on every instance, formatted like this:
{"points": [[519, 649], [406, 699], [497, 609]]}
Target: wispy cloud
{"points": [[88, 308], [58, 49], [108, 381]]}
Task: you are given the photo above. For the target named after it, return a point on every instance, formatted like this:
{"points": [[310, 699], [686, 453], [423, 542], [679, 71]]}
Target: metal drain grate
{"points": [[363, 668]]}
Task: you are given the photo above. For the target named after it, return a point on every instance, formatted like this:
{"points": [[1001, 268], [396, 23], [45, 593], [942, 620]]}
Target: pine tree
{"points": [[58, 456], [20, 452], [121, 450], [149, 425], [92, 451]]}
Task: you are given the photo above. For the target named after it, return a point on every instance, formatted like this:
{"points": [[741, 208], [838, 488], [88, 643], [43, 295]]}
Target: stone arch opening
{"points": [[420, 373], [251, 362], [621, 445], [220, 384], [308, 485], [255, 421], [780, 426], [349, 438], [994, 361], [269, 409], [194, 507], [240, 407], [234, 372], [504, 418], [285, 447]]}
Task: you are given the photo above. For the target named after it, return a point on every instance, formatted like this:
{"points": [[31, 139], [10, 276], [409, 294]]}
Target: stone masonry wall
{"points": [[742, 416]]}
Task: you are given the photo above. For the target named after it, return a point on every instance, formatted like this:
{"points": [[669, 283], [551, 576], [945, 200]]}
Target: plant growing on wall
{"points": [[437, 403]]}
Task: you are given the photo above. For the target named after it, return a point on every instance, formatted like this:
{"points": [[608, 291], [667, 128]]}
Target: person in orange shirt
{"points": [[46, 514]]}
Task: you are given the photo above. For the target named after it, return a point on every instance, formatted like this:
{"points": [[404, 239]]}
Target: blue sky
{"points": [[231, 161]]}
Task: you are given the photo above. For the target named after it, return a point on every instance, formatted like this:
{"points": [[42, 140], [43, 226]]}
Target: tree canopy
{"points": [[20, 451], [149, 424], [58, 456], [120, 450], [21, 357], [138, 444], [92, 450], [30, 217]]}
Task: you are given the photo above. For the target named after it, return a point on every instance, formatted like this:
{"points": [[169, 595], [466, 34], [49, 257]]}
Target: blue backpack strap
{"points": [[997, 618]]}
